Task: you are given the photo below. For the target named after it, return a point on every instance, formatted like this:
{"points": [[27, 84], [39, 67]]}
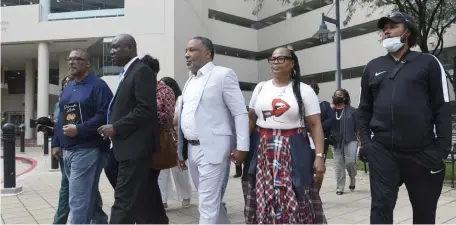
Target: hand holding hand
{"points": [[238, 157], [181, 165]]}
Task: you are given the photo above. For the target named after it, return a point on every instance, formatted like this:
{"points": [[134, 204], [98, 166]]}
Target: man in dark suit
{"points": [[133, 129]]}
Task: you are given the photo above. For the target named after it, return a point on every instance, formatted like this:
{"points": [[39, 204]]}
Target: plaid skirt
{"points": [[269, 194], [250, 203]]}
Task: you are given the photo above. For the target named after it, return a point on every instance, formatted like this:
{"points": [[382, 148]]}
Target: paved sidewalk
{"points": [[36, 205], [20, 167]]}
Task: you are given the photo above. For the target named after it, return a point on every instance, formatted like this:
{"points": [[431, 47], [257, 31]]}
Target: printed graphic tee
{"points": [[277, 107]]}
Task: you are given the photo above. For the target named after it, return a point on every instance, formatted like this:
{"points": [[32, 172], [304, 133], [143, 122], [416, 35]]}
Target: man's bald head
{"points": [[127, 40], [123, 49]]}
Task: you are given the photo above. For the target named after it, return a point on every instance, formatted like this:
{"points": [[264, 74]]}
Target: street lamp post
{"points": [[323, 34]]}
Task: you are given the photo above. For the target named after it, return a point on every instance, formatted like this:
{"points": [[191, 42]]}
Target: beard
{"points": [[196, 65]]}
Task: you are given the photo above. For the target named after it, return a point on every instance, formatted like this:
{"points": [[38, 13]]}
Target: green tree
{"points": [[432, 17]]}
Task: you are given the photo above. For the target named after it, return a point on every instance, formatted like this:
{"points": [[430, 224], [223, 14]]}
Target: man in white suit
{"points": [[212, 119]]}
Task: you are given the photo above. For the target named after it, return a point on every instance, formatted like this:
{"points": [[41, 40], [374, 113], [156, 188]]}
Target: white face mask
{"points": [[392, 44]]}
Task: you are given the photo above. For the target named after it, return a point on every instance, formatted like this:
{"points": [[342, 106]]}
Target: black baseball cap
{"points": [[397, 17]]}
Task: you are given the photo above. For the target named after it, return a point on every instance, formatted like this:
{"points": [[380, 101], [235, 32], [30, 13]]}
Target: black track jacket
{"points": [[402, 111]]}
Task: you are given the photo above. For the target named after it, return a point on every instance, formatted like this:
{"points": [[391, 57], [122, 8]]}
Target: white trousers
{"points": [[208, 181], [181, 181]]}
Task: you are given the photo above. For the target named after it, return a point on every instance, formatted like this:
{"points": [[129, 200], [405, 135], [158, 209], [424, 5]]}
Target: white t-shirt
{"points": [[277, 107]]}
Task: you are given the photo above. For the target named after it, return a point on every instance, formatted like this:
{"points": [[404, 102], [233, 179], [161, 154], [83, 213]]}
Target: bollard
{"points": [[46, 142], [22, 129], [9, 155]]}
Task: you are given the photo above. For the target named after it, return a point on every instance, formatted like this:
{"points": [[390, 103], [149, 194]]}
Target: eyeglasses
{"points": [[77, 59], [279, 59]]}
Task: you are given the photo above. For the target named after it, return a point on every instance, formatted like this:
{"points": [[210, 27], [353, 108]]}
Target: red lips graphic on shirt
{"points": [[279, 107]]}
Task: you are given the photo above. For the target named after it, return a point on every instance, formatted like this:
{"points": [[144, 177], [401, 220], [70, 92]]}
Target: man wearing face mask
{"points": [[404, 102]]}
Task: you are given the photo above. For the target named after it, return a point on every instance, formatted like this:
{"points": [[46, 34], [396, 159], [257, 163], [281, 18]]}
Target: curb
{"points": [[33, 163]]}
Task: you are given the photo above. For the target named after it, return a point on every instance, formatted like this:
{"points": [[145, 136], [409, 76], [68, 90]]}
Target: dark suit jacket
{"points": [[133, 114]]}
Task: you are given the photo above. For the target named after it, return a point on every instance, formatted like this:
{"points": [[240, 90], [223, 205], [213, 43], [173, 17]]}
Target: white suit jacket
{"points": [[221, 117]]}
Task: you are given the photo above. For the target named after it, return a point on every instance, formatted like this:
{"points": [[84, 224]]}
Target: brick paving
{"points": [[37, 204]]}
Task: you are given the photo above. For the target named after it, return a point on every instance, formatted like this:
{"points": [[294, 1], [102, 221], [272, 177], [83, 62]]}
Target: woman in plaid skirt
{"points": [[282, 164]]}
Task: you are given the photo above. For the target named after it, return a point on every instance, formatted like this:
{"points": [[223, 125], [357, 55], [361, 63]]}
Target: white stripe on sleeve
{"points": [[446, 93]]}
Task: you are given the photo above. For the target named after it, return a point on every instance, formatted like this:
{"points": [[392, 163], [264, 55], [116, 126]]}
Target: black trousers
{"points": [[239, 170], [137, 194], [422, 173], [111, 169], [326, 148]]}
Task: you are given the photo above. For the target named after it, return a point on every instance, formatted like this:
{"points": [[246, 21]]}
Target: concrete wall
{"points": [[161, 28], [150, 22], [195, 12]]}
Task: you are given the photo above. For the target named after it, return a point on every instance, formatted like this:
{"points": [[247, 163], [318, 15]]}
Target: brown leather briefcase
{"points": [[167, 156]]}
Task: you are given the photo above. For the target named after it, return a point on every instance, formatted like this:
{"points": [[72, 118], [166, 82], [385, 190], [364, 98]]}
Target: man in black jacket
{"points": [[133, 129], [405, 104]]}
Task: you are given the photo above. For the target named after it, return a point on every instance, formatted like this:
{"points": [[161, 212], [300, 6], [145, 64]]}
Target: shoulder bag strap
{"points": [[409, 57]]}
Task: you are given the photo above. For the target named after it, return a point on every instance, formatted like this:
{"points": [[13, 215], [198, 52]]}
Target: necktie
{"points": [[121, 75]]}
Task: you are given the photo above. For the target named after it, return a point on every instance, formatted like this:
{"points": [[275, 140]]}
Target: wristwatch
{"points": [[321, 155]]}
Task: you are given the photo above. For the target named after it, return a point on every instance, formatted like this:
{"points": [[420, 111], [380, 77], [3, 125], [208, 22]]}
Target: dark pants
{"points": [[63, 209], [422, 173], [111, 169], [326, 148], [137, 194], [239, 170]]}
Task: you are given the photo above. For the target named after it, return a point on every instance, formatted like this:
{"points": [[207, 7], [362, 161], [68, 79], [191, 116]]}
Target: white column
{"points": [[45, 6], [289, 15], [43, 80], [29, 97], [42, 107]]}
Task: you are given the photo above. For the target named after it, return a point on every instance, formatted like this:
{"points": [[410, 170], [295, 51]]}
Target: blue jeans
{"points": [[61, 214], [83, 168]]}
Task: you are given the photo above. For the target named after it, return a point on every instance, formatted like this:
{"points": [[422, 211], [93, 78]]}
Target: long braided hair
{"points": [[296, 78]]}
